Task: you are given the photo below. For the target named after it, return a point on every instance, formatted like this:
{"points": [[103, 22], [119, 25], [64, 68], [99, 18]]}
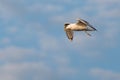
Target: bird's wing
{"points": [[81, 23], [92, 27], [87, 23], [87, 33], [69, 34]]}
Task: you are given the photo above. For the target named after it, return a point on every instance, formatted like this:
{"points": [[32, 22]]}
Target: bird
{"points": [[80, 25]]}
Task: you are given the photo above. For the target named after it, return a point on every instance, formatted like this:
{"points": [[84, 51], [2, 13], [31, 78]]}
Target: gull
{"points": [[80, 25]]}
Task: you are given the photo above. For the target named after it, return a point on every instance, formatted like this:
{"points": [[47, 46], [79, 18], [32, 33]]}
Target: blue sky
{"points": [[34, 46]]}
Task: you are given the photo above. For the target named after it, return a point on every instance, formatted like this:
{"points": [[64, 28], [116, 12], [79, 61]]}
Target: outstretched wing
{"points": [[86, 23], [81, 23], [69, 34]]}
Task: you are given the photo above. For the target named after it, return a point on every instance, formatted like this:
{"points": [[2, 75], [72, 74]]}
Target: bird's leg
{"points": [[87, 33]]}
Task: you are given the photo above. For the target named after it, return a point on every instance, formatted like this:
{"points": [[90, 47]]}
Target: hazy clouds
{"points": [[33, 45]]}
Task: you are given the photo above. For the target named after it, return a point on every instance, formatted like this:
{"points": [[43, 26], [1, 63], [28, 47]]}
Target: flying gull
{"points": [[80, 25]]}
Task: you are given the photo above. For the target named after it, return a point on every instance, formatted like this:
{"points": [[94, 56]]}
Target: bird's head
{"points": [[65, 25]]}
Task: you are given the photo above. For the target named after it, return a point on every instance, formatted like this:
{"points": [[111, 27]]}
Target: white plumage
{"points": [[81, 25]]}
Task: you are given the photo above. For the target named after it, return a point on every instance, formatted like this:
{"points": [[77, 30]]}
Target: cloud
{"points": [[33, 71], [44, 8], [25, 71], [14, 54], [105, 10], [101, 74], [105, 1], [49, 43], [42, 70], [38, 44], [27, 34], [11, 9], [5, 40]]}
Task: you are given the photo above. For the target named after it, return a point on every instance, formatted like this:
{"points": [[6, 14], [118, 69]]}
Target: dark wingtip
{"points": [[71, 39], [95, 29]]}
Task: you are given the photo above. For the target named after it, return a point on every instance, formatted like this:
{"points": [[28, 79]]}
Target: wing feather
{"points": [[86, 23], [69, 34]]}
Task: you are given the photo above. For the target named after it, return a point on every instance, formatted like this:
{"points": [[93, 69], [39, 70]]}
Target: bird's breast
{"points": [[75, 27]]}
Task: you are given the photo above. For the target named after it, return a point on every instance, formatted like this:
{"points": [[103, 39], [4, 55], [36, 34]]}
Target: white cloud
{"points": [[49, 43], [13, 53], [101, 74], [34, 71], [104, 18], [105, 9], [68, 16], [6, 10], [11, 29], [53, 48], [16, 67], [44, 8], [63, 1], [105, 1], [5, 40], [79, 41], [25, 71], [65, 71], [10, 9]]}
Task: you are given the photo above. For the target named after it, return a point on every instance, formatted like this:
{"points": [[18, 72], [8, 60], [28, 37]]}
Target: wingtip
{"points": [[95, 29], [71, 40]]}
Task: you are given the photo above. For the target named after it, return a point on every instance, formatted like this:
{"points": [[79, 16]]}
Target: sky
{"points": [[34, 46]]}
